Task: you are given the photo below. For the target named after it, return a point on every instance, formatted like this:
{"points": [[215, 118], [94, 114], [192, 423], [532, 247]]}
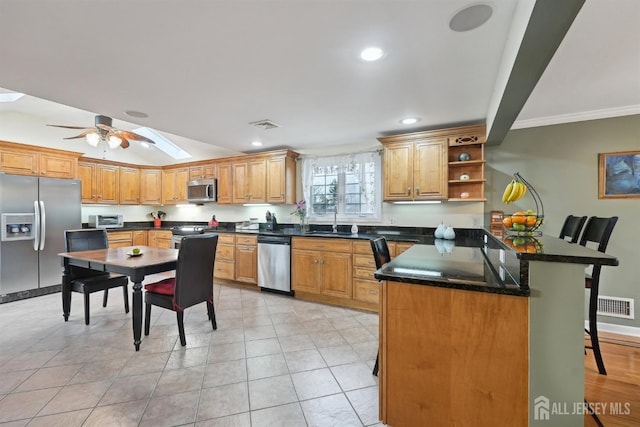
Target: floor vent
{"points": [[615, 307], [265, 124]]}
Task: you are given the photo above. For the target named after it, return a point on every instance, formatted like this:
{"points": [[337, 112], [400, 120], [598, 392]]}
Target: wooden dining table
{"points": [[120, 260]]}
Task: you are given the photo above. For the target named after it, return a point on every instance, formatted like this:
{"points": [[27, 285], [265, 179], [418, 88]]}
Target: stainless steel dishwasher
{"points": [[274, 263]]}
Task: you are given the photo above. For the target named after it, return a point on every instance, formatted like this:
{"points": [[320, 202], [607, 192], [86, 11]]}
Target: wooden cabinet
{"points": [[281, 179], [322, 266], [129, 186], [150, 186], [119, 239], [246, 259], [225, 257], [225, 183], [249, 184], [160, 239], [100, 182], [415, 167], [23, 159], [207, 171], [139, 237], [174, 185], [466, 178]]}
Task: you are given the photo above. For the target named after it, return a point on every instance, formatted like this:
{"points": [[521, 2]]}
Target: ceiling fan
{"points": [[104, 131]]}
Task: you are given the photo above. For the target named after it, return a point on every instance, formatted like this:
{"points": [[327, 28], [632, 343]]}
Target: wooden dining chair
{"points": [[572, 227], [381, 256], [87, 281], [192, 284], [597, 231]]}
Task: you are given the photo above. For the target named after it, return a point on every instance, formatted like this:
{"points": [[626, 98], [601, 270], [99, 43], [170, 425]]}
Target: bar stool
{"points": [[598, 230], [381, 255], [572, 227]]}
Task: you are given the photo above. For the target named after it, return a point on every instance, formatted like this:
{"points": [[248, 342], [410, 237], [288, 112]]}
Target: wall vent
{"points": [[265, 124], [615, 307]]}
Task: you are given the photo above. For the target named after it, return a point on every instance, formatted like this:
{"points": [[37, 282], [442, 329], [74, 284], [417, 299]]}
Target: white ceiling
{"points": [[202, 70]]}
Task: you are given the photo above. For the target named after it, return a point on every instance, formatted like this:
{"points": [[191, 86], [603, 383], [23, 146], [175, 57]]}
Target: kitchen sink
{"points": [[327, 233]]}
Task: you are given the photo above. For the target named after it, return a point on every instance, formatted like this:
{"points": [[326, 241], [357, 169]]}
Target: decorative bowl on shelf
{"points": [[464, 156]]}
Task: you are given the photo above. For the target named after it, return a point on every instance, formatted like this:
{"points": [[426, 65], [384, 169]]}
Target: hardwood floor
{"points": [[620, 387]]}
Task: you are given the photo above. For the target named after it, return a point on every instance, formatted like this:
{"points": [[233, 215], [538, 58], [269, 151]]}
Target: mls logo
{"points": [[541, 408]]}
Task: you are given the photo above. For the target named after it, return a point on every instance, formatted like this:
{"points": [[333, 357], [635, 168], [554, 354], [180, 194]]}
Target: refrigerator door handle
{"points": [[43, 225], [36, 225]]}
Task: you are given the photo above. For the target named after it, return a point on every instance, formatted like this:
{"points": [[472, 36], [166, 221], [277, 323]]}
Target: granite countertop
{"points": [[446, 264]]}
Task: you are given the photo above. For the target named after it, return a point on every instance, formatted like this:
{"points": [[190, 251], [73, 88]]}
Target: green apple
{"points": [[135, 251]]}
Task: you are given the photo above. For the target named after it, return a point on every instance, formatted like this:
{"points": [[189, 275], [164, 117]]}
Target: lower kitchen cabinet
{"points": [[140, 237], [119, 239], [323, 267], [224, 267], [246, 259], [160, 238]]}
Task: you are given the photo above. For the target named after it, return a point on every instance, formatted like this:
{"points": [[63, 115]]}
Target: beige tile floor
{"points": [[274, 361]]}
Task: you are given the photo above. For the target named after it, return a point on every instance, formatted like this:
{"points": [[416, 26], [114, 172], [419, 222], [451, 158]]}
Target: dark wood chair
{"points": [[597, 231], [192, 284], [572, 227], [88, 281], [381, 255]]}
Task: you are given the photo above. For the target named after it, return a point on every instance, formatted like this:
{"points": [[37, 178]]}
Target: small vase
{"points": [[157, 223], [439, 233], [449, 233], [304, 227]]}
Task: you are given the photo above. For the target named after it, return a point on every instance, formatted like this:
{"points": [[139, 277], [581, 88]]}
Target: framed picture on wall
{"points": [[619, 175]]}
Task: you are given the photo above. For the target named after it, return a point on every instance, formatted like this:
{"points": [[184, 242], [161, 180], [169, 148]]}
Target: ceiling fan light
{"points": [[114, 141], [93, 139]]}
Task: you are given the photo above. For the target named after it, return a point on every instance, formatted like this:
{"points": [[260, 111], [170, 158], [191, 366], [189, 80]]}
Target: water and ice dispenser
{"points": [[18, 226]]}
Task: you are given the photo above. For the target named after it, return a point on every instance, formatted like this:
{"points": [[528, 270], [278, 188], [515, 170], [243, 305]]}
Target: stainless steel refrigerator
{"points": [[34, 213]]}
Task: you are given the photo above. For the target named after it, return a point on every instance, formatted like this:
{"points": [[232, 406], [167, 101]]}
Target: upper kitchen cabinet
{"points": [[281, 177], [205, 171], [22, 159], [129, 186], [225, 183], [415, 167], [100, 182], [150, 186], [174, 185], [466, 164], [249, 185], [434, 165]]}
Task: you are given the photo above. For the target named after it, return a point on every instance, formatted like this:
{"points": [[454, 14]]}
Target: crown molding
{"points": [[577, 117]]}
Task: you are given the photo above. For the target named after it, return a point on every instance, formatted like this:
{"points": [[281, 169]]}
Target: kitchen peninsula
{"points": [[484, 335]]}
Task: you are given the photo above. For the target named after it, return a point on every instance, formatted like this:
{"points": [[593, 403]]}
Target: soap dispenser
{"points": [[439, 233], [354, 229]]}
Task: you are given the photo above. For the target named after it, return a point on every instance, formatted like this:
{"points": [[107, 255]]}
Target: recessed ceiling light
{"points": [[10, 96], [410, 120], [372, 53], [137, 114], [471, 17], [256, 143]]}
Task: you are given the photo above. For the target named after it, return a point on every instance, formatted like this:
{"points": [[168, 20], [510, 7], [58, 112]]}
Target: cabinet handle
{"points": [[372, 292], [417, 190], [315, 261], [409, 191]]}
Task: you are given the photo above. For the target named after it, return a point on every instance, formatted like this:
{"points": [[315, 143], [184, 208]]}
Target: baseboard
{"points": [[631, 331]]}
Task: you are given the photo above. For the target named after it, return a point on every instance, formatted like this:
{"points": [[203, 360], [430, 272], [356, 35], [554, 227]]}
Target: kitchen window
{"points": [[348, 184]]}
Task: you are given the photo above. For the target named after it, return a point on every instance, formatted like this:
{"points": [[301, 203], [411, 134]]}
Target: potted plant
{"points": [[157, 218]]}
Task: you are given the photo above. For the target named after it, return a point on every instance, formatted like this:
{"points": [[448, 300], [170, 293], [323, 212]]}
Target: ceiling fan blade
{"points": [[82, 135], [106, 128], [134, 136], [71, 127], [124, 143]]}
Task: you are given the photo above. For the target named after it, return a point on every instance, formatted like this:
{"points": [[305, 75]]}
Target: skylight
{"points": [[163, 144], [10, 96]]}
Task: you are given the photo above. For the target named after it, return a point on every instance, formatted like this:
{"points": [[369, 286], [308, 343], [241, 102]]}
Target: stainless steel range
{"points": [[179, 231]]}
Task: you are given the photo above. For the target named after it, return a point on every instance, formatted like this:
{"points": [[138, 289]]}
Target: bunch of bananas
{"points": [[515, 191]]}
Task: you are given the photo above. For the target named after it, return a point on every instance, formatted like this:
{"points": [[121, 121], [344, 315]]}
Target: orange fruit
{"points": [[518, 218], [531, 220], [507, 222]]}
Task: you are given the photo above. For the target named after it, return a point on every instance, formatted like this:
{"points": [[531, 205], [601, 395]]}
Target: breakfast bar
{"points": [[478, 333]]}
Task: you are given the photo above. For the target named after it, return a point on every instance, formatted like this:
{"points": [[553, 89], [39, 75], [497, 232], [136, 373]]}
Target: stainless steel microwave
{"points": [[106, 221], [202, 190]]}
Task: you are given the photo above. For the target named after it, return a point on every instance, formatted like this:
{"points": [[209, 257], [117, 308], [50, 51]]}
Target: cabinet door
{"points": [[129, 186], [276, 180], [247, 264], [256, 183], [150, 186], [305, 271], [225, 180], [430, 169], [168, 187], [240, 182], [57, 166], [87, 176], [140, 238], [336, 274], [182, 176], [19, 162], [108, 183], [202, 172], [398, 172]]}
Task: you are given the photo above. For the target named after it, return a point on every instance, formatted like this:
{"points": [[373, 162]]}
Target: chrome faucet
{"points": [[335, 221]]}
